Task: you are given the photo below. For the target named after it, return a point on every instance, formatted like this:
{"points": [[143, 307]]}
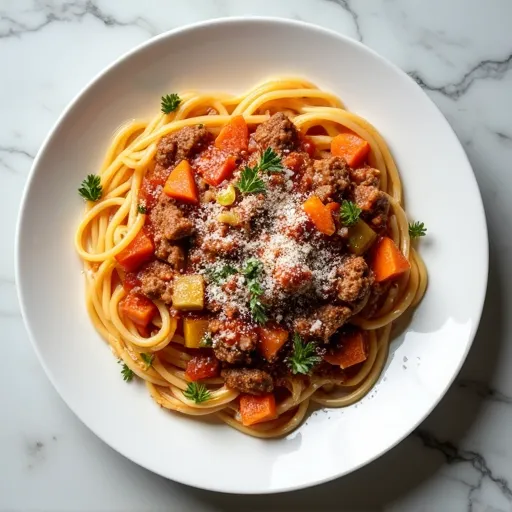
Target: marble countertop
{"points": [[460, 52]]}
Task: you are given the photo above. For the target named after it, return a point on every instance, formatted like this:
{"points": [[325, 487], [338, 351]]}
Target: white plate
{"points": [[440, 189]]}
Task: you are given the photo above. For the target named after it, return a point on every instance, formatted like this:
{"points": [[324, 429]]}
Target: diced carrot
{"points": [[387, 260], [271, 339], [138, 251], [202, 366], [334, 207], [352, 148], [139, 309], [152, 185], [181, 185], [234, 136], [215, 166], [131, 281], [319, 215], [255, 409], [353, 350]]}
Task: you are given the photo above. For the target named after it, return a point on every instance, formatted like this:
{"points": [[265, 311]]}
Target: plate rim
{"points": [[277, 21]]}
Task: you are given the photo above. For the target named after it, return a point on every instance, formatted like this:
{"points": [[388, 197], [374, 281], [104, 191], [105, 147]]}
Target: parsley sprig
{"points": [[250, 181], [220, 274], [270, 161], [126, 372], [141, 208], [251, 272], [417, 229], [170, 102], [304, 356], [197, 392], [252, 268], [349, 213], [148, 359], [90, 189]]}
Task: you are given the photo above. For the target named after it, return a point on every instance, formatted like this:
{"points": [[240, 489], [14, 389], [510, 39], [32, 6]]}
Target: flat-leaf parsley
{"points": [[126, 372], [250, 181], [417, 229], [90, 188], [170, 102]]}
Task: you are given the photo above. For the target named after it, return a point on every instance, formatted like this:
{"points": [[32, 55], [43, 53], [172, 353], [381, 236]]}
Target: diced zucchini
{"points": [[188, 292], [360, 237], [194, 329], [227, 196]]}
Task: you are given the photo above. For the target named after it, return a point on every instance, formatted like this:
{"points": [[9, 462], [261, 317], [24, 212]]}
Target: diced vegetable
{"points": [[215, 166], [139, 309], [234, 136], [131, 281], [155, 177], [188, 292], [353, 350], [181, 185], [360, 237], [333, 207], [255, 409], [202, 366], [352, 148], [193, 330], [138, 251], [227, 196], [388, 262], [216, 174], [271, 339], [319, 215], [230, 217]]}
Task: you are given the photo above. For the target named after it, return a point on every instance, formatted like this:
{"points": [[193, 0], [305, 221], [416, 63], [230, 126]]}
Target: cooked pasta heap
{"points": [[247, 255]]}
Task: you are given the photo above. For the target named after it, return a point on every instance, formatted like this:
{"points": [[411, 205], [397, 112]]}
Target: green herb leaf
{"points": [[252, 268], [270, 161], [170, 103], [197, 392], [251, 271], [90, 188], [349, 213], [206, 341], [304, 356], [250, 182], [417, 229], [258, 310], [126, 372], [141, 208], [148, 359], [218, 275]]}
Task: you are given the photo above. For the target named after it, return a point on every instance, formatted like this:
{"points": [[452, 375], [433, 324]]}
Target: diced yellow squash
{"points": [[227, 196], [360, 237], [230, 217], [188, 292], [194, 329]]}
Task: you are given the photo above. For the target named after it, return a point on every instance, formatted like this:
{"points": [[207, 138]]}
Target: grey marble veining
{"points": [[460, 52]]}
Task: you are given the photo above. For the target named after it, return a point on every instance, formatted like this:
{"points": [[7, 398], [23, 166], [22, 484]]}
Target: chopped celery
{"points": [[360, 237]]}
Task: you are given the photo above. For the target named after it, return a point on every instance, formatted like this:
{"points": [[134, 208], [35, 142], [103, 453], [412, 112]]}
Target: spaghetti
{"points": [[159, 352]]}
